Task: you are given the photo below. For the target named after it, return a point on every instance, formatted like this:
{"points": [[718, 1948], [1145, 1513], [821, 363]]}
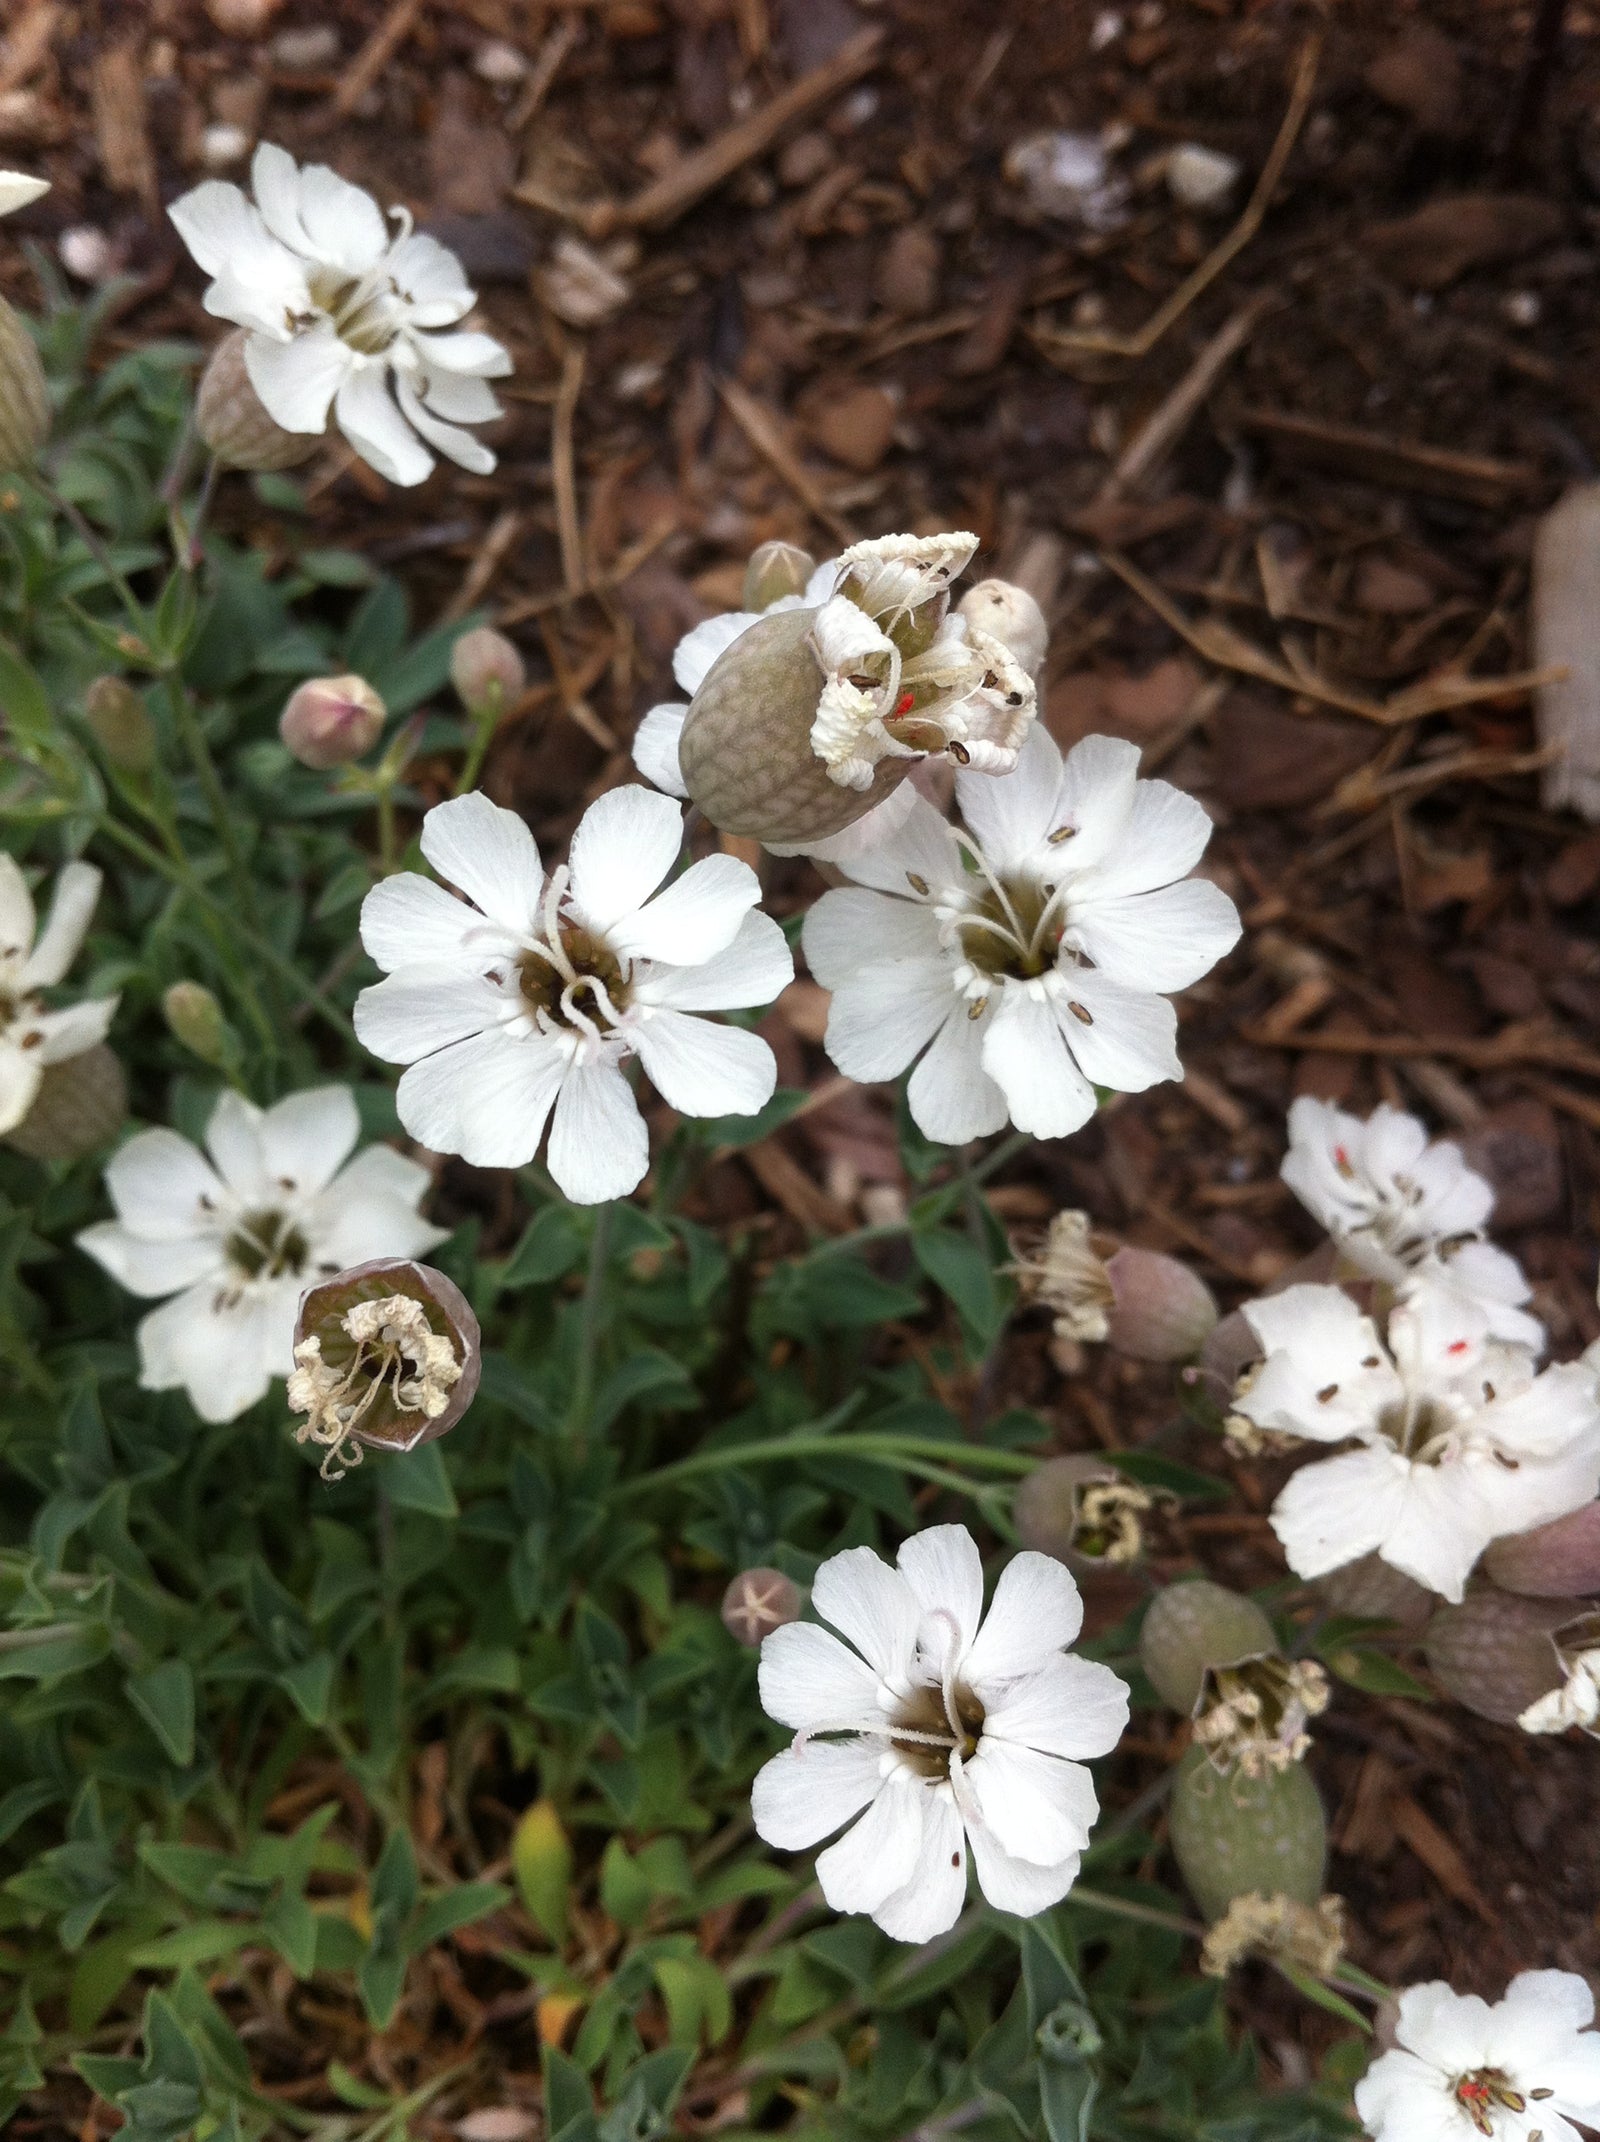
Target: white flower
{"points": [[1462, 2069], [531, 998], [339, 310], [1459, 1441], [31, 959], [1026, 962], [18, 190], [1577, 1701], [237, 1238], [952, 1728]]}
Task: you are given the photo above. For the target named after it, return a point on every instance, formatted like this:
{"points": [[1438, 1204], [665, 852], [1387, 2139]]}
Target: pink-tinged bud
{"points": [[24, 396], [332, 721], [387, 1354], [487, 671], [1373, 1591], [776, 570], [80, 1106], [757, 1602], [229, 416], [1161, 1311], [1557, 1561], [1495, 1654], [1082, 1511]]}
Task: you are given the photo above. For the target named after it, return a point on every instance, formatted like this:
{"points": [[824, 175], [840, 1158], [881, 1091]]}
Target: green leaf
{"points": [[1375, 1673], [648, 1374], [1323, 1996], [453, 1908], [739, 1131], [164, 1699], [1150, 1469], [419, 1481], [309, 1685], [962, 1269], [24, 703], [567, 2096], [541, 1860], [553, 1244]]}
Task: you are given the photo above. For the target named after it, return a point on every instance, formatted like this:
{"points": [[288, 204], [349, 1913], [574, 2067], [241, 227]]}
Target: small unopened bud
{"points": [[1309, 1936], [1190, 1630], [1234, 1835], [487, 671], [24, 396], [1161, 1311], [1082, 1511], [1496, 1654], [757, 1602], [332, 721], [196, 1019], [1010, 615], [776, 570], [387, 1354], [120, 724], [80, 1106], [1557, 1561], [229, 416]]}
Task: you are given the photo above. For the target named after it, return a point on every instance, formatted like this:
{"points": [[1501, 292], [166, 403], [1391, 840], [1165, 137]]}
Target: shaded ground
{"points": [[870, 325]]}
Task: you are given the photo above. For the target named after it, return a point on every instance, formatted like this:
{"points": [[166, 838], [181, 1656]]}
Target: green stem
{"points": [[915, 1452], [90, 538], [387, 859], [205, 767], [485, 721], [589, 1327]]}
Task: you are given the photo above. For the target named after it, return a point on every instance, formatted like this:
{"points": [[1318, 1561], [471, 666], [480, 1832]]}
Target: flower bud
{"points": [[1495, 1654], [230, 418], [487, 671], [120, 724], [24, 396], [1082, 1511], [775, 570], [757, 1602], [80, 1106], [1555, 1561], [1010, 615], [387, 1354], [1192, 1629], [332, 721], [1371, 1589], [1161, 1311], [196, 1019], [1235, 1835]]}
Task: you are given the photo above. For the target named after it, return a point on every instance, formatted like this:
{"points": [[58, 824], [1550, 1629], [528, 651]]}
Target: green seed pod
{"points": [[196, 1019], [1494, 1652], [1373, 1590], [120, 724], [746, 749], [230, 418], [80, 1106], [1192, 1630], [24, 396], [775, 570], [1557, 1561], [1235, 1836]]}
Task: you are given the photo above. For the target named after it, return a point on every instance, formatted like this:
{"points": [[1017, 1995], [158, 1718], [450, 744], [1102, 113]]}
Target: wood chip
{"points": [[1398, 464], [28, 44], [122, 124], [1438, 1853], [782, 1177], [364, 70], [762, 428]]}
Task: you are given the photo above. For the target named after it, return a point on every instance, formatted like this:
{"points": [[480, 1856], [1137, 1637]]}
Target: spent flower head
{"points": [[33, 1037], [1462, 2069], [1252, 1716], [344, 314], [387, 1355], [1064, 1273], [1309, 1936]]}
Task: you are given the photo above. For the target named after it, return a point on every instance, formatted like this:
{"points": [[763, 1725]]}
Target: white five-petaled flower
{"points": [[19, 190], [1026, 959], [340, 310], [1458, 1439], [236, 1238], [32, 1038], [942, 1728], [1398, 1206], [530, 999], [1461, 2070]]}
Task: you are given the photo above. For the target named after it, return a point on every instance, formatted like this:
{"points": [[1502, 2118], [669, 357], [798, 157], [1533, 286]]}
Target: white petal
{"points": [[1128, 1041], [703, 1069], [67, 1033], [461, 397], [655, 747], [431, 280], [296, 381], [1039, 1808], [71, 910], [922, 846], [474, 355], [408, 921], [19, 190], [1071, 1707], [1157, 940], [752, 970], [850, 928], [1450, 2030], [378, 1171], [224, 1351], [807, 1792], [1541, 2015], [17, 919], [695, 653], [451, 440], [318, 212], [1555, 1411], [809, 1680], [1015, 1885], [1338, 1509], [874, 1607], [878, 1854], [944, 1569], [21, 1073], [861, 837], [930, 1902], [1036, 1611], [626, 842], [366, 1224], [950, 1095], [1012, 814], [695, 917], [151, 1268], [421, 1009], [485, 1098], [599, 1147], [307, 1138], [1099, 780], [489, 854], [258, 282], [882, 1015], [233, 1139], [1025, 1053], [162, 1188], [1164, 837], [1403, 2099], [366, 413]]}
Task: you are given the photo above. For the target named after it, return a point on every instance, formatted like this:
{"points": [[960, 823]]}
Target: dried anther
{"points": [[386, 1356], [1280, 1929], [1252, 1716], [1064, 1274]]}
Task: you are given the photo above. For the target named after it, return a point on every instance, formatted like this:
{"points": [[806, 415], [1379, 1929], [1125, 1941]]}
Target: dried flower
{"points": [[1083, 1511], [31, 960], [1252, 1716], [386, 1354], [1577, 1701], [1309, 1936], [1064, 1274]]}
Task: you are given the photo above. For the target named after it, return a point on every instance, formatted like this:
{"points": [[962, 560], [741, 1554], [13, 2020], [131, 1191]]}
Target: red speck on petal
{"points": [[904, 704], [1457, 1346], [1341, 1157]]}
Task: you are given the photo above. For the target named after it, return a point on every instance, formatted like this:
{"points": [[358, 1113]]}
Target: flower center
{"points": [[586, 982], [267, 1245], [1252, 1716], [920, 1730], [364, 309], [1487, 2091], [16, 1010]]}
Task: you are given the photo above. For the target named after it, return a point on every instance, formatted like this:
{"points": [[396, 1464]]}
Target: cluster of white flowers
{"points": [[1458, 1438], [1521, 2070], [32, 1037]]}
